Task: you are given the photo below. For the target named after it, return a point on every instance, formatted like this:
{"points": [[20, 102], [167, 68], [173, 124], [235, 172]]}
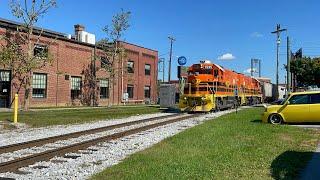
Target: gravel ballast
{"points": [[15, 136], [83, 164]]}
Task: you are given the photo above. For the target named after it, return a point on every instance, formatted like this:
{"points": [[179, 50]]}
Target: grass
{"points": [[72, 116], [234, 146], [88, 107]]}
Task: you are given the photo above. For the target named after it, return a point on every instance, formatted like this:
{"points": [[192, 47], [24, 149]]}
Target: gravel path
{"points": [[83, 164]]}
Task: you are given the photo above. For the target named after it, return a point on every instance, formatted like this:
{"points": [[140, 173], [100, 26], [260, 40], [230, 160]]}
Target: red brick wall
{"points": [[141, 56], [72, 59]]}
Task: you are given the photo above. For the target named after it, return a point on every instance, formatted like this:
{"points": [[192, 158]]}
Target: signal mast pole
{"points": [[277, 32], [172, 39]]}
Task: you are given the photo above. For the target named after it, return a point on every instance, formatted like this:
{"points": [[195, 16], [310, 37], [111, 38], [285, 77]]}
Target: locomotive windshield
{"points": [[200, 69]]}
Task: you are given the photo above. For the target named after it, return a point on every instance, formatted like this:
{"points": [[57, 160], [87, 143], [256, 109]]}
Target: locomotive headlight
{"points": [[185, 98]]}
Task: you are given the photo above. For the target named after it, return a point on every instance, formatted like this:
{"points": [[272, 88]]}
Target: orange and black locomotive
{"points": [[210, 87]]}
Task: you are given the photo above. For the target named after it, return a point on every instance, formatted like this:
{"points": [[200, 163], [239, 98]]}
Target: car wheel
{"points": [[275, 119]]}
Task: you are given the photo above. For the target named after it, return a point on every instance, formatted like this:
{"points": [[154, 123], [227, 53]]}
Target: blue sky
{"points": [[204, 29]]}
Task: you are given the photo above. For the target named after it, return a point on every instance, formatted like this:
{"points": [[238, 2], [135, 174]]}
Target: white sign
{"points": [[125, 96]]}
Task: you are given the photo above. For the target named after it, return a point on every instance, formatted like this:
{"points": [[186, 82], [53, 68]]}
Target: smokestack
{"points": [[77, 29]]}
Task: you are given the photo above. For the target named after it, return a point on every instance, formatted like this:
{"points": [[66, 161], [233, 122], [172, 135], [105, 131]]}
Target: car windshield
{"points": [[284, 100]]}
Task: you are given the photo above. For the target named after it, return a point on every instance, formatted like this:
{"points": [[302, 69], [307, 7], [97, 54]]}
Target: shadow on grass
{"points": [[291, 165], [256, 121], [170, 110]]}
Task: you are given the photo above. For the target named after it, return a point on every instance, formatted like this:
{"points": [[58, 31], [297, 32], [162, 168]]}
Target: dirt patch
{"points": [[285, 137], [8, 125], [310, 143]]}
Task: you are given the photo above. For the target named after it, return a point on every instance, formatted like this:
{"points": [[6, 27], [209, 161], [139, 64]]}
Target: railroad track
{"points": [[14, 165], [39, 142]]}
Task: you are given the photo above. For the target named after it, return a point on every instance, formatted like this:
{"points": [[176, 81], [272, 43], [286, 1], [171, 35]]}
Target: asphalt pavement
{"points": [[312, 170], [313, 126]]}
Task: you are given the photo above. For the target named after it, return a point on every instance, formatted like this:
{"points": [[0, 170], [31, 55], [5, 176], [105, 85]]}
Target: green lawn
{"points": [[72, 116], [234, 146]]}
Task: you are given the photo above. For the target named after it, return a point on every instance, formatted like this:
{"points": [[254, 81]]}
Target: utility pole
{"points": [[288, 67], [172, 39], [163, 64], [277, 32]]}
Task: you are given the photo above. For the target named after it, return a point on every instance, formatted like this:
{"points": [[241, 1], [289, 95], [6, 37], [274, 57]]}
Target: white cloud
{"points": [[256, 35], [227, 56], [249, 70]]}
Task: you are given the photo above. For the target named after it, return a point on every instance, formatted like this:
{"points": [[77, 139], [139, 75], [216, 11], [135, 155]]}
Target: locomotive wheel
{"points": [[275, 119]]}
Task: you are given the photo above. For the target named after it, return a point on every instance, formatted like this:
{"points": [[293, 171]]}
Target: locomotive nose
{"points": [[194, 80]]}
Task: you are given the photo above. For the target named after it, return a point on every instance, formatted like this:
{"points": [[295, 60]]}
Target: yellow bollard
{"points": [[16, 106]]}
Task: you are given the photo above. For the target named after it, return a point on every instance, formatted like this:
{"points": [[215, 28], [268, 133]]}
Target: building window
{"points": [[104, 88], [40, 51], [147, 91], [130, 91], [104, 62], [130, 67], [147, 69], [39, 85], [75, 87], [4, 76]]}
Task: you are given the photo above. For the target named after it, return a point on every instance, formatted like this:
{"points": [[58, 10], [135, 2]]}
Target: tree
{"points": [[112, 47], [17, 53], [307, 71]]}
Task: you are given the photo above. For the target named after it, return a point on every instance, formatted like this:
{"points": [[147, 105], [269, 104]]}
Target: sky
{"points": [[227, 32]]}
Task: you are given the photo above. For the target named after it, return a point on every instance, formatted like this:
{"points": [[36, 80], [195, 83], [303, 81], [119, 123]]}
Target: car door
{"points": [[315, 107], [298, 109]]}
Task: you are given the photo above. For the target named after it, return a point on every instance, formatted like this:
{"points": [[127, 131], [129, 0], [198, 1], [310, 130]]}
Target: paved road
{"points": [[312, 171], [314, 126]]}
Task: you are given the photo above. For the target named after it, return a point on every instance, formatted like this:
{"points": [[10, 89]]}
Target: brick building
{"points": [[65, 81]]}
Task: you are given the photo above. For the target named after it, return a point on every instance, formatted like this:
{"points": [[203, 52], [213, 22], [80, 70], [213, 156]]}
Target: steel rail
{"points": [[39, 142], [14, 165]]}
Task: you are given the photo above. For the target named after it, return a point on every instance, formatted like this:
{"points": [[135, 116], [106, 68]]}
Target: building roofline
{"points": [[5, 23], [14, 24], [138, 46]]}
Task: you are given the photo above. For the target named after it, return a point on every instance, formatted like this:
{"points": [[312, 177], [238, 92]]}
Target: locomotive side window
{"points": [[216, 72], [206, 71]]}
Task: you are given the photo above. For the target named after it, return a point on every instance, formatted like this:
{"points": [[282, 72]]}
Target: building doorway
{"points": [[5, 89]]}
